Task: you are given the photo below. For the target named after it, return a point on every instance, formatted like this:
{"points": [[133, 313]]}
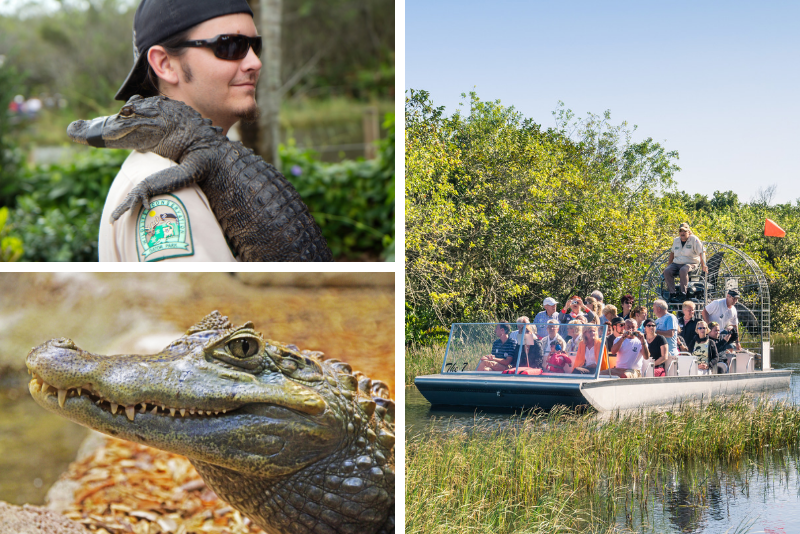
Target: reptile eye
{"points": [[243, 347], [127, 111]]}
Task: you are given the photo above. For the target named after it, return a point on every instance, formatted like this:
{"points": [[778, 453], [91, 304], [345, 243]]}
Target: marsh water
{"points": [[756, 495]]}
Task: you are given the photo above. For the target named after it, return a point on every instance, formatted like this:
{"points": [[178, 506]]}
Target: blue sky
{"points": [[717, 81]]}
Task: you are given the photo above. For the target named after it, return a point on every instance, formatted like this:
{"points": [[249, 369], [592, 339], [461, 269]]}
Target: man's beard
{"points": [[249, 114]]}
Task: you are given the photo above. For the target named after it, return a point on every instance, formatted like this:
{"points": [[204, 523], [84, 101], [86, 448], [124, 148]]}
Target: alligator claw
{"points": [[139, 195]]}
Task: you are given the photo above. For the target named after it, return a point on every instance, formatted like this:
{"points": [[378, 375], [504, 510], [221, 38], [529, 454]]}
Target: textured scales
{"points": [[297, 443], [260, 212]]}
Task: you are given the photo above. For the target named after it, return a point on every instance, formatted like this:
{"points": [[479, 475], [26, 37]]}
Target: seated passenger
{"points": [[687, 324], [504, 349], [585, 361], [575, 311], [726, 340], [666, 325], [532, 353], [705, 350], [573, 336], [615, 330], [627, 304], [541, 318], [593, 310], [657, 347], [631, 350], [517, 335], [552, 341], [609, 312], [639, 313]]}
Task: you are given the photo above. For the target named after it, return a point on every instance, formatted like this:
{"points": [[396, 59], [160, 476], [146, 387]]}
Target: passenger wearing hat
{"points": [[205, 54], [549, 312], [686, 253], [723, 311]]}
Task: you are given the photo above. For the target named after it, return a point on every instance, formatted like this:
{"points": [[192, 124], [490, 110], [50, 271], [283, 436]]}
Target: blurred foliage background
{"points": [[72, 55], [501, 213]]}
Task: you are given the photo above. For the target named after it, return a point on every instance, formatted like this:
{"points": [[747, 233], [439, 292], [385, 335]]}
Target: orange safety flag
{"points": [[771, 229]]}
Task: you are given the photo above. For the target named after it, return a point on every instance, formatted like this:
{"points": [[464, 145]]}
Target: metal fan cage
{"points": [[728, 268]]}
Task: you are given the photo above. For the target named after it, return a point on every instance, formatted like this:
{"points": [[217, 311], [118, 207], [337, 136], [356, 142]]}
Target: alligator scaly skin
{"points": [[298, 443], [260, 212]]}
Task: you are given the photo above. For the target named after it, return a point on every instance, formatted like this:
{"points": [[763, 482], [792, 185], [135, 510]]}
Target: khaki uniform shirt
{"points": [[689, 252], [179, 226]]}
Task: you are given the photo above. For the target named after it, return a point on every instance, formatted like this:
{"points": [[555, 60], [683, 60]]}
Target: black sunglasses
{"points": [[228, 46]]}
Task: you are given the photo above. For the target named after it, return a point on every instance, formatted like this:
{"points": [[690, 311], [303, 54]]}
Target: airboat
{"points": [[749, 371]]}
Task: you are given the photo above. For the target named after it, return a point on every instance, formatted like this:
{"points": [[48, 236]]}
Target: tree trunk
{"points": [[269, 87]]}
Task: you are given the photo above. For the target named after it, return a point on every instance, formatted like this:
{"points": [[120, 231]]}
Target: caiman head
{"points": [[156, 124], [262, 422]]}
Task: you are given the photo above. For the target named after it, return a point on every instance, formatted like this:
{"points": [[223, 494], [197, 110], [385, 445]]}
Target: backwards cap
{"points": [[157, 20]]}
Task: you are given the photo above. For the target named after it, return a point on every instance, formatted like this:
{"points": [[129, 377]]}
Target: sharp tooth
{"points": [[183, 412], [130, 411], [216, 413], [62, 396], [163, 408], [191, 411], [99, 401], [144, 407], [45, 387], [155, 410], [114, 407], [223, 411], [172, 412], [79, 391]]}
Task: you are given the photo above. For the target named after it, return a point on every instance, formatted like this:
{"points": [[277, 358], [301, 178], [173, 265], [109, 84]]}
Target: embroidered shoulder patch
{"points": [[163, 231]]}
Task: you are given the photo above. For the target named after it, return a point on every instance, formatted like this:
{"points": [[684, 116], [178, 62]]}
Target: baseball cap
{"points": [[684, 226], [157, 20], [550, 301], [617, 320], [733, 293]]}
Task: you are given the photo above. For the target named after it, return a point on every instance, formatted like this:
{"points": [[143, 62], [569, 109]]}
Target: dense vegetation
{"points": [[55, 209], [501, 212]]}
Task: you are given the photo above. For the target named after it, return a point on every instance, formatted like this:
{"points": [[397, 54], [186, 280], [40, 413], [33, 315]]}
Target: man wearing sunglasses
{"points": [[205, 54]]}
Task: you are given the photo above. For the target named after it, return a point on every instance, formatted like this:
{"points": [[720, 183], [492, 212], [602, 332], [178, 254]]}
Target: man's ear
{"points": [[166, 68]]}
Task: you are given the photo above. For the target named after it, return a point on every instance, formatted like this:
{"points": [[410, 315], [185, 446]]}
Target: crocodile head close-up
{"points": [[297, 443], [156, 124]]}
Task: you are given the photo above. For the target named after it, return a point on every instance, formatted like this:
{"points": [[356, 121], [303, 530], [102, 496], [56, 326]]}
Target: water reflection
{"points": [[758, 494]]}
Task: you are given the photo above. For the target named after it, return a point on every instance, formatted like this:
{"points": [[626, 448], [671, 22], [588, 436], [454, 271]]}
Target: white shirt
{"points": [[718, 311], [630, 354], [179, 226]]}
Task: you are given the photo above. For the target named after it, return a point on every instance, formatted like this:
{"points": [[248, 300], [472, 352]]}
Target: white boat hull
{"points": [[665, 392]]}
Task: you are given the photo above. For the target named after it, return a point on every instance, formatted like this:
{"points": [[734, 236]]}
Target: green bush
{"points": [[58, 207], [353, 201]]}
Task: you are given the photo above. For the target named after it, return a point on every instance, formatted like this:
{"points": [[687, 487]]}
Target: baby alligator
{"points": [[260, 212], [297, 443]]}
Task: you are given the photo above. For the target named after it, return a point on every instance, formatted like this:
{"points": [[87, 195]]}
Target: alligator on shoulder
{"points": [[297, 443], [260, 212]]}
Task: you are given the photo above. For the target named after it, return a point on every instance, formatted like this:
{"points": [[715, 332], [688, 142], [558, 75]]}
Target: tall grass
{"points": [[426, 360], [562, 472]]}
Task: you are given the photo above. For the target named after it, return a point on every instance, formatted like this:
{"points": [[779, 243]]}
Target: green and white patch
{"points": [[164, 230]]}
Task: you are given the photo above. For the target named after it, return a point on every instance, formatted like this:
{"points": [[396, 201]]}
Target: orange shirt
{"points": [[580, 357]]}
